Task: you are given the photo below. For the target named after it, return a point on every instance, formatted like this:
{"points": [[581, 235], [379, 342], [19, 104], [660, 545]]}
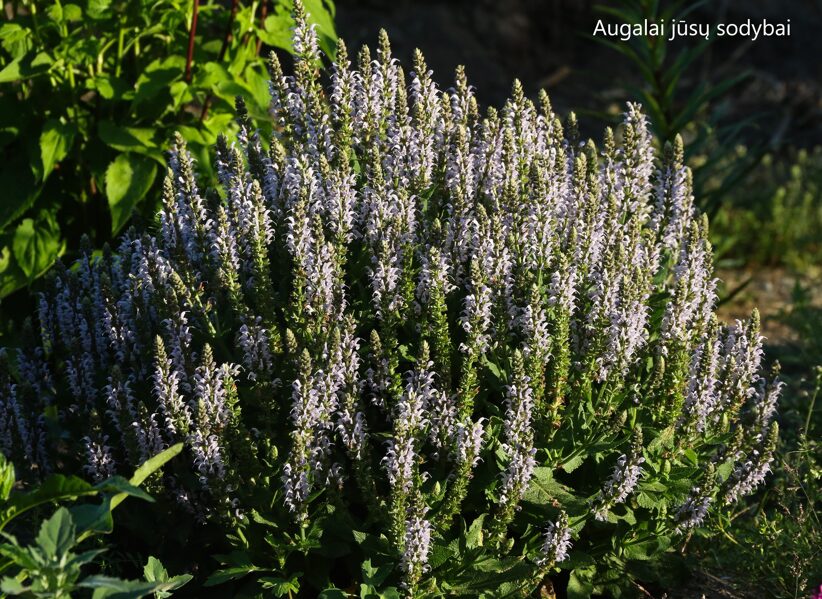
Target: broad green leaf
{"points": [[109, 87], [646, 549], [128, 179], [93, 518], [72, 12], [333, 594], [131, 139], [156, 79], [579, 585], [55, 488], [16, 40], [440, 555], [25, 67], [55, 142], [664, 439], [36, 245], [375, 575], [97, 9], [57, 534], [12, 586]]}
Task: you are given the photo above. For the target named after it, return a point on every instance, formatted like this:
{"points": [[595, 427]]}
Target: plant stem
{"points": [[263, 15], [191, 33]]}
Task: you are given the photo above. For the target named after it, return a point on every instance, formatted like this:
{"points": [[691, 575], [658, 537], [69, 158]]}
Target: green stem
{"points": [[807, 426], [120, 38]]}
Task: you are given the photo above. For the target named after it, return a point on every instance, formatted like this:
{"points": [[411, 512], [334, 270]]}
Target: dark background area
{"points": [[546, 44]]}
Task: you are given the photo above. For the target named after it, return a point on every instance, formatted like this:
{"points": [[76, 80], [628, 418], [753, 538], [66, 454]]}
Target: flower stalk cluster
{"points": [[391, 294]]}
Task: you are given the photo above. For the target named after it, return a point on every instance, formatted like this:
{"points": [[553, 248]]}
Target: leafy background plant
{"points": [[90, 95], [48, 564]]}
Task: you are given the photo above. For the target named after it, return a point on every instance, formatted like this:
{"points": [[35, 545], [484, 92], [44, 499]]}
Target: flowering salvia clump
{"points": [[405, 310]]}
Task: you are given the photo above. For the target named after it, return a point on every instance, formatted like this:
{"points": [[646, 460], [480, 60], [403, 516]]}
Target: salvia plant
{"points": [[408, 345]]}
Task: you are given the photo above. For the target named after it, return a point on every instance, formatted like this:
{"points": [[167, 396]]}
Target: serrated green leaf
{"points": [[57, 534]]}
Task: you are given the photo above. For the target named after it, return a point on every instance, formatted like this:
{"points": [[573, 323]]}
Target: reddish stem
{"points": [[191, 33], [263, 15]]}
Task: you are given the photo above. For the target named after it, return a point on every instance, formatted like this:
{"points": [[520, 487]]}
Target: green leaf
{"points": [[131, 139], [473, 538], [646, 549], [86, 557], [115, 588], [375, 575], [440, 554], [57, 534], [109, 87], [148, 468], [281, 586], [333, 594], [36, 245], [156, 79], [20, 556], [98, 9], [664, 440], [233, 573], [91, 518], [25, 67], [7, 478], [55, 488], [574, 463], [72, 12], [154, 570], [118, 484], [55, 142], [580, 585], [12, 586], [128, 179]]}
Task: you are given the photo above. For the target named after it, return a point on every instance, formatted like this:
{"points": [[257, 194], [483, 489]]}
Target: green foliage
{"points": [[774, 218], [776, 544], [90, 94], [695, 111], [50, 565]]}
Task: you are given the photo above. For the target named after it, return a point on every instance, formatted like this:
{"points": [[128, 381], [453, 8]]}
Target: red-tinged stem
{"points": [[191, 33], [263, 15]]}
